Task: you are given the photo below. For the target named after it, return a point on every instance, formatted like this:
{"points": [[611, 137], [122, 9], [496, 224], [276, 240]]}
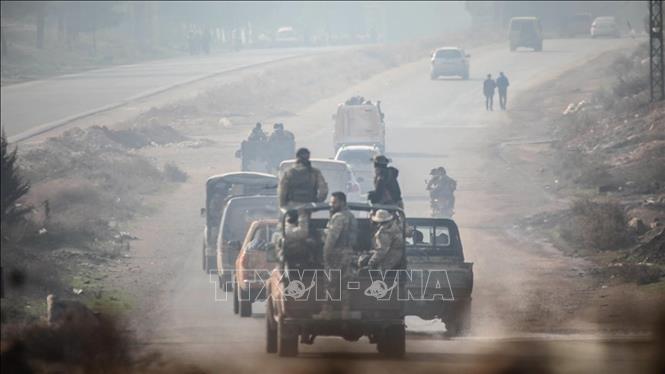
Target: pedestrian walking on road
{"points": [[502, 84], [488, 89]]}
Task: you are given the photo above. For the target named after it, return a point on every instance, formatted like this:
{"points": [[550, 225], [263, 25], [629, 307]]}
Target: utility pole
{"points": [[656, 67]]}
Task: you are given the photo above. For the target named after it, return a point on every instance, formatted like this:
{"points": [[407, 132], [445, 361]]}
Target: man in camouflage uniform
{"points": [[299, 245], [338, 254], [388, 242], [302, 183]]}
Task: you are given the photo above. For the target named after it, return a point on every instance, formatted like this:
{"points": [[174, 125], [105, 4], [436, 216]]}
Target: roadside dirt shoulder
{"points": [[612, 302]]}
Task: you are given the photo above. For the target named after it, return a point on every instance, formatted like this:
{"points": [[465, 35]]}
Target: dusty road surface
{"points": [[67, 97], [527, 296]]}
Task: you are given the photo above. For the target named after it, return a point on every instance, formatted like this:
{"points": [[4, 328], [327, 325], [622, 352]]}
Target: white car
{"points": [[337, 174], [450, 61], [359, 158], [604, 26]]}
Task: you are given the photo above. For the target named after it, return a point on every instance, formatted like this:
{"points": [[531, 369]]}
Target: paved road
{"points": [[44, 103], [430, 123]]}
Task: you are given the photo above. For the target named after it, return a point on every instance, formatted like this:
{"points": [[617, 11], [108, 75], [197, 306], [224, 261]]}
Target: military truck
{"points": [[437, 266], [359, 122], [296, 295], [219, 189]]}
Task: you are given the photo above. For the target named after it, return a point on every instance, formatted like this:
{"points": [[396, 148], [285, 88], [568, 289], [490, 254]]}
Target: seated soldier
{"points": [[388, 244], [299, 243]]}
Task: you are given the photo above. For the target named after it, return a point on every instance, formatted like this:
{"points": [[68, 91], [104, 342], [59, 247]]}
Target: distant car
{"points": [[359, 158], [256, 254], [525, 32], [238, 215], [604, 26], [450, 61], [337, 174]]}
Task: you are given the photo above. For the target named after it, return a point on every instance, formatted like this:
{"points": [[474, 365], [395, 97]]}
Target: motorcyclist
{"points": [[442, 187], [386, 187]]}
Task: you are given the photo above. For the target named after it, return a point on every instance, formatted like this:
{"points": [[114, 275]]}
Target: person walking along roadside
{"points": [[502, 84], [488, 89]]}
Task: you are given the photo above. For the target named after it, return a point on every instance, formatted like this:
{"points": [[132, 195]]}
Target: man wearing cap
{"points": [[388, 242], [386, 188], [302, 183]]}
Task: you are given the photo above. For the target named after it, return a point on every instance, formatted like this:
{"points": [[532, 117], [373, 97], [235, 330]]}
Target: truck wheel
{"points": [[245, 304], [460, 323], [236, 303], [393, 341], [287, 341], [271, 329]]}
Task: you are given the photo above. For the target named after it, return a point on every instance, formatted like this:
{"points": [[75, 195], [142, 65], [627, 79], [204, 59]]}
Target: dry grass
{"points": [[597, 225]]}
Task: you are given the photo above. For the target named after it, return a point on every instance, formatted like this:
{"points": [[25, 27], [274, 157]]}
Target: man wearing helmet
{"points": [[386, 188], [387, 244]]}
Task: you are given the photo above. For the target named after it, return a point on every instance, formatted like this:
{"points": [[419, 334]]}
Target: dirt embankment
{"points": [[598, 145]]}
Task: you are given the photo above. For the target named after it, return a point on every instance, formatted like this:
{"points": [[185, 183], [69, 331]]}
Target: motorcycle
{"points": [[442, 206]]}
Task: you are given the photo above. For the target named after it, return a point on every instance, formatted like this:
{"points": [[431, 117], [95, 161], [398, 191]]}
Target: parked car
{"points": [[525, 32], [359, 158], [238, 215], [255, 256], [604, 26], [450, 61], [219, 189], [359, 121], [337, 174]]}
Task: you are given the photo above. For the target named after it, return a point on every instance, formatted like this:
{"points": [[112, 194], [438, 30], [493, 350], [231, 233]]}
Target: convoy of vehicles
{"points": [[243, 245], [450, 61], [359, 158], [525, 32], [219, 189], [337, 174], [604, 26], [359, 121]]}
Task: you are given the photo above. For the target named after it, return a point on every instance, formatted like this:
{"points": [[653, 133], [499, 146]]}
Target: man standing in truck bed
{"points": [[302, 183], [338, 254]]}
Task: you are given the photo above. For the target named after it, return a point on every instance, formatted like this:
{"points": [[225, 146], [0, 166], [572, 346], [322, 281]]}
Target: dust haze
{"points": [[175, 174]]}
